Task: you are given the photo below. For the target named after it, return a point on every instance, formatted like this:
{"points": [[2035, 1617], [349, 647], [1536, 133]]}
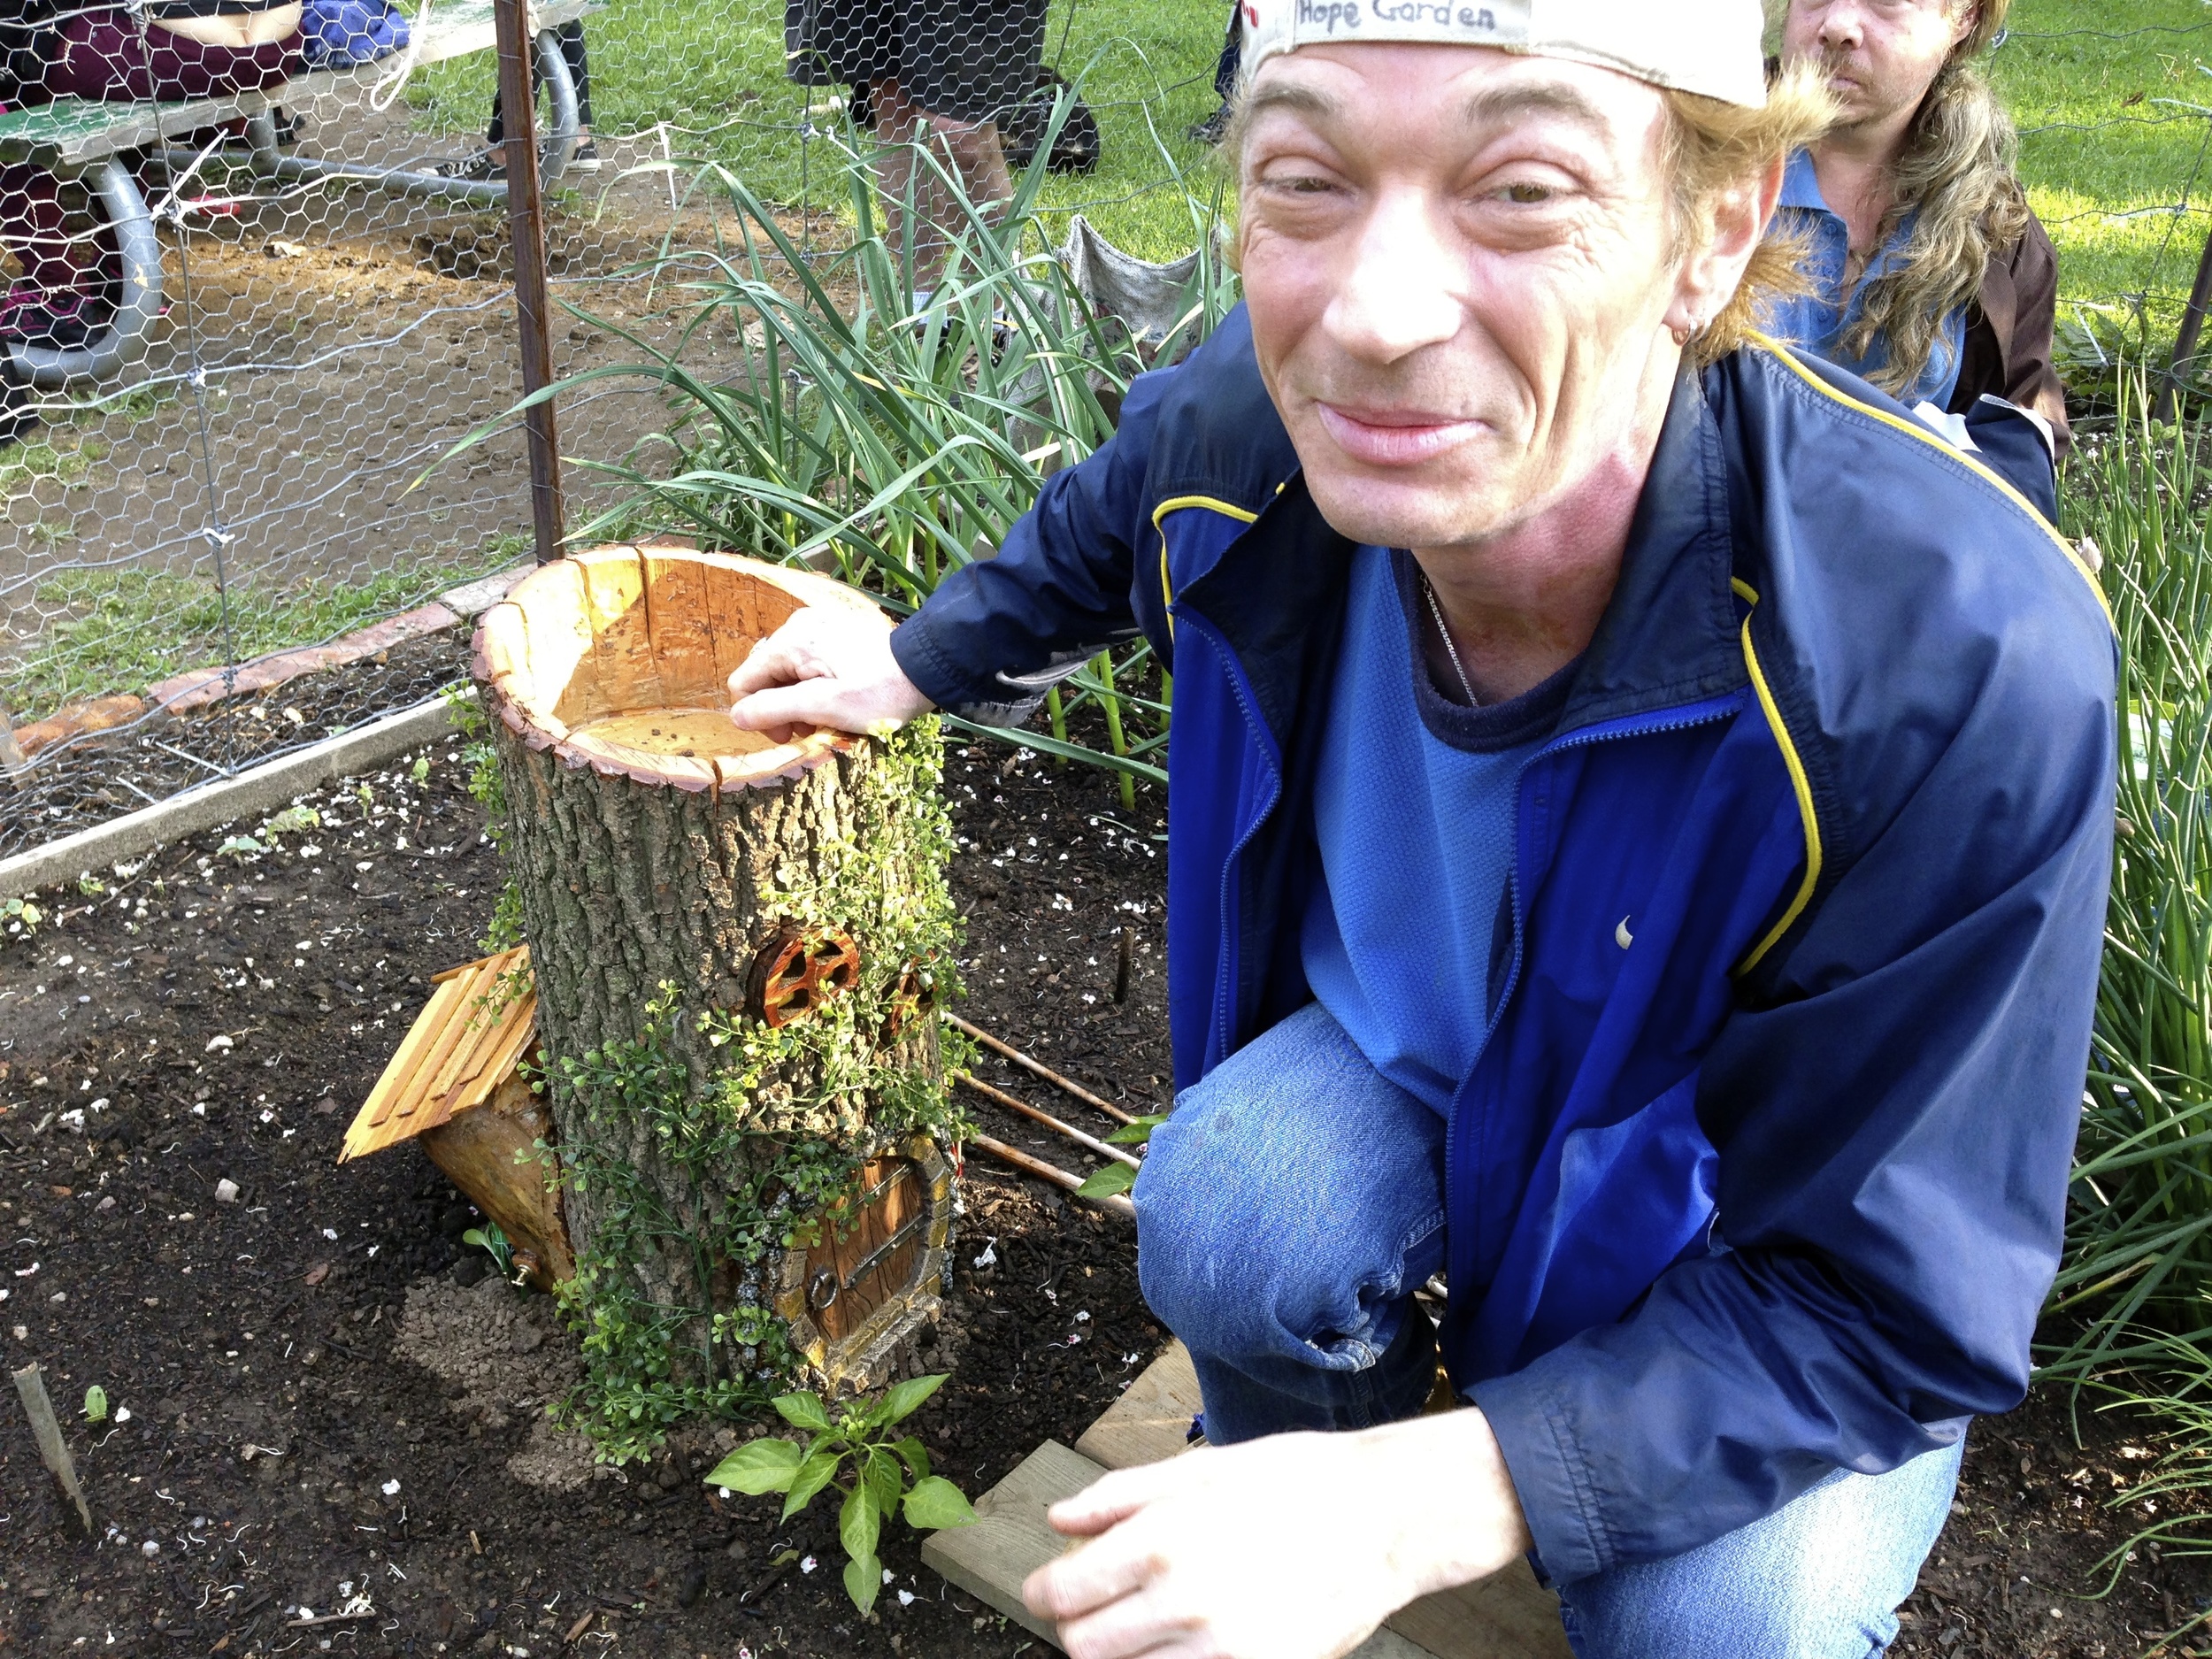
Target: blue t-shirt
{"points": [[1816, 322], [1413, 807]]}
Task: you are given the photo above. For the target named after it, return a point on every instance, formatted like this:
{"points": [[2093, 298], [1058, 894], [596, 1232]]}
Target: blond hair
{"points": [[1711, 149], [1954, 179]]}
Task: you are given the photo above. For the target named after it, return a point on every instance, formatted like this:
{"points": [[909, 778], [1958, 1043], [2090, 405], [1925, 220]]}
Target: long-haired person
{"points": [[1931, 276]]}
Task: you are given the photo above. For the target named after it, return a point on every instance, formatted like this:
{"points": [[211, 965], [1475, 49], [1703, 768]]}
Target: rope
{"points": [[393, 80]]}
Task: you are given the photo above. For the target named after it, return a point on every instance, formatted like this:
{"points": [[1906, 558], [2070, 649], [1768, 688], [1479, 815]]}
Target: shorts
{"points": [[967, 60]]}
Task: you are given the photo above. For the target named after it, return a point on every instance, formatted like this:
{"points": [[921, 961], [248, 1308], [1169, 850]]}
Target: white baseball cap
{"points": [[1714, 47]]}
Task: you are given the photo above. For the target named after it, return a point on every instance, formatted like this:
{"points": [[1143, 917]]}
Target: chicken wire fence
{"points": [[260, 293]]}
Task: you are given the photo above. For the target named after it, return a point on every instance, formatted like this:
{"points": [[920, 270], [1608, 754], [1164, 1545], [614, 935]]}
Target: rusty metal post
{"points": [[525, 223], [2185, 342]]}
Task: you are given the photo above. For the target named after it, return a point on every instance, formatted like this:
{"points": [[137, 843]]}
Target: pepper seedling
{"points": [[1119, 1177], [888, 1476]]}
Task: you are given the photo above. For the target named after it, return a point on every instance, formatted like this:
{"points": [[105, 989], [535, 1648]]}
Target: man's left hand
{"points": [[1293, 1546]]}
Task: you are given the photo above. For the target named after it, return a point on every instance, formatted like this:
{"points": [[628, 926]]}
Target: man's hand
{"points": [[825, 667], [1295, 1547]]}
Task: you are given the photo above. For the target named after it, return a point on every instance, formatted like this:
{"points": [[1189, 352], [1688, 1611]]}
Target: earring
{"points": [[1684, 333]]}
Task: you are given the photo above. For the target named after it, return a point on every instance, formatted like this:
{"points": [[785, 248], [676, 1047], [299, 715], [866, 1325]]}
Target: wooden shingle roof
{"points": [[475, 1029]]}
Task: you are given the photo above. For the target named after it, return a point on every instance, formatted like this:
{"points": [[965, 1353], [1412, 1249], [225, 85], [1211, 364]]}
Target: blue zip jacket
{"points": [[1777, 1187]]}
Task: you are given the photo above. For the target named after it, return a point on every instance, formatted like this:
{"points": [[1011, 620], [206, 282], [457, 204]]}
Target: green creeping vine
{"points": [[749, 1165], [489, 790]]}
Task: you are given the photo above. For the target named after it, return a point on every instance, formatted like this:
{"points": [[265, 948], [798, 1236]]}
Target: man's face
{"points": [[1881, 56], [1459, 264]]}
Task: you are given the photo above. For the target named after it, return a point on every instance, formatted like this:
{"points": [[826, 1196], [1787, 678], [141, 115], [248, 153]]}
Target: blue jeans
{"points": [[1285, 1214]]}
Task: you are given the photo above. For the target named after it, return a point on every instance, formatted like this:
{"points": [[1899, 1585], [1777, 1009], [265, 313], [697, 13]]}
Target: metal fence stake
{"points": [[525, 222]]}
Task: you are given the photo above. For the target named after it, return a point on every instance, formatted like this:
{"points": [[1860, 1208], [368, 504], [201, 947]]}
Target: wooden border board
{"points": [[1508, 1616]]}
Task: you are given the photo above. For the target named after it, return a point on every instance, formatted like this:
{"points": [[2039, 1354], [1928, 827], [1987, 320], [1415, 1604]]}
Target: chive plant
{"points": [[2139, 1246], [2133, 1297], [889, 442]]}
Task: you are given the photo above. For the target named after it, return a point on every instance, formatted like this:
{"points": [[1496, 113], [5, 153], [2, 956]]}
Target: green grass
{"points": [[2094, 160], [124, 630], [2084, 79], [716, 76]]}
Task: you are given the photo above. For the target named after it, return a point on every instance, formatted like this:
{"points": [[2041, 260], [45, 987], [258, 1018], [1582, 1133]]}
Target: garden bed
{"points": [[324, 1315], [108, 775]]}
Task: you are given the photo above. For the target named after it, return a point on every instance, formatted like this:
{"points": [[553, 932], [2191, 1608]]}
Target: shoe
{"points": [[61, 321], [1213, 129], [587, 157], [483, 165]]}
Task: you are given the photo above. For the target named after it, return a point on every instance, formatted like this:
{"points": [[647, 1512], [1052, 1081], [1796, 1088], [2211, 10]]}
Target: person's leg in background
{"points": [[961, 63], [1820, 1578], [1215, 127], [1286, 1213], [570, 35]]}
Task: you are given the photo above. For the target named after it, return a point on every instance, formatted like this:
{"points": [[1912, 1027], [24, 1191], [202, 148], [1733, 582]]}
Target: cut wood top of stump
{"points": [[618, 659]]}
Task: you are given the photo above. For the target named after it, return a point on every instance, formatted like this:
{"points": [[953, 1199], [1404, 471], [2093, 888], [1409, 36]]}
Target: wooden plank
{"points": [[1151, 1421], [399, 1077], [456, 1060], [1507, 1616], [1010, 1538]]}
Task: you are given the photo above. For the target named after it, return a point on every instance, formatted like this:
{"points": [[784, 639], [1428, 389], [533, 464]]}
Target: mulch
{"points": [[219, 1019]]}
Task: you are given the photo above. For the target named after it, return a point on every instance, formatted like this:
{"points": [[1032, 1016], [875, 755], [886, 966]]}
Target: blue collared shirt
{"points": [[1816, 321]]}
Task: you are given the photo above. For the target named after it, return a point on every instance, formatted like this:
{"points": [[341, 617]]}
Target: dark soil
{"points": [[88, 780], [200, 1317], [216, 1019]]}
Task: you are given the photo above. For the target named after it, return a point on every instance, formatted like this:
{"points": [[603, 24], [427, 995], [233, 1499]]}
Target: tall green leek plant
{"points": [[2134, 1295], [892, 443]]}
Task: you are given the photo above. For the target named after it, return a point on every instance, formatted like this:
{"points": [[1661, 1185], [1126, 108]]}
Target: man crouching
{"points": [[1639, 827]]}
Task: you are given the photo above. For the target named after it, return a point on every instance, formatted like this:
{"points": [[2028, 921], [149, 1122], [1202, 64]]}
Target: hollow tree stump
{"points": [[735, 943]]}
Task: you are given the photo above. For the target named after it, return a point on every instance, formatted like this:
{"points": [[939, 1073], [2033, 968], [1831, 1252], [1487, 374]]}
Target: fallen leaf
{"points": [[317, 1273]]}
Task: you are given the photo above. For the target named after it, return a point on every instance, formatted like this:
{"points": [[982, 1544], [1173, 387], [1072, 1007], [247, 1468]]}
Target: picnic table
{"points": [[84, 139]]}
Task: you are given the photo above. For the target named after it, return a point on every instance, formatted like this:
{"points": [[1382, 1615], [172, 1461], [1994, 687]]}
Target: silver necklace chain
{"points": [[1429, 588]]}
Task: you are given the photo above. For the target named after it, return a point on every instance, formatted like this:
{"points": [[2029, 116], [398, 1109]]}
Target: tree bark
{"points": [[663, 859]]}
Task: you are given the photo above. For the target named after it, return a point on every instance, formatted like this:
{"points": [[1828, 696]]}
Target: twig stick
{"points": [[1038, 1068], [1046, 1118], [32, 1388], [1021, 1160]]}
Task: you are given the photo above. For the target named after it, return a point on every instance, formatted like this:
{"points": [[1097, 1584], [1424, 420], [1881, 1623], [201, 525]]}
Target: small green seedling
{"points": [[493, 1243], [1119, 1177], [92, 886], [21, 916], [888, 1476], [420, 770], [95, 1404], [243, 846], [291, 821]]}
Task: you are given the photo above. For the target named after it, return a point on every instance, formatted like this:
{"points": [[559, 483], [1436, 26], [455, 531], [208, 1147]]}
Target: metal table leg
{"points": [[50, 368], [564, 134]]}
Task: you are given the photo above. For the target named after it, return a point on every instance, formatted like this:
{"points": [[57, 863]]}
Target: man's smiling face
{"points": [[1459, 264]]}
